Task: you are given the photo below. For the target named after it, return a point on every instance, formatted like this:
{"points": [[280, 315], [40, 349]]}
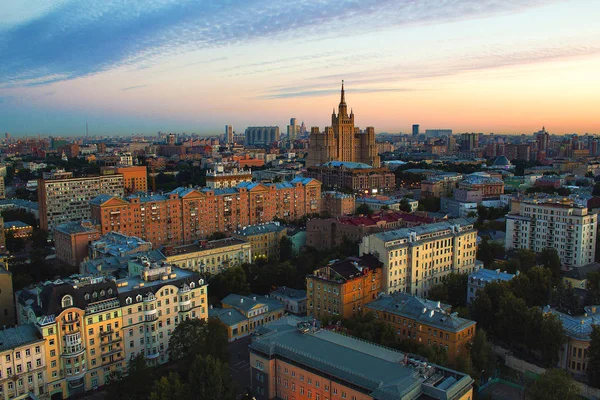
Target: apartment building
{"points": [[353, 175], [439, 185], [93, 326], [264, 239], [72, 239], [117, 244], [489, 186], [536, 224], [135, 178], [22, 362], [417, 258], [294, 300], [291, 359], [209, 256], [7, 298], [337, 204], [342, 288], [63, 199], [220, 179], [331, 232], [426, 322], [481, 277], [243, 315], [186, 215]]}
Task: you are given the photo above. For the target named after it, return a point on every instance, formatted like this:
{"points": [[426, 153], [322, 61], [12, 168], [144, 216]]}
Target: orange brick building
{"points": [[135, 178], [426, 322], [71, 241], [186, 215], [342, 288]]}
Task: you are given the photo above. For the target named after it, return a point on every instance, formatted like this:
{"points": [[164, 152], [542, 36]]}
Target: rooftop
{"points": [[246, 303], [384, 217], [347, 164], [289, 293], [424, 311], [19, 336], [347, 269], [405, 233], [16, 225], [201, 246], [76, 227], [580, 326], [259, 229], [581, 272], [489, 275], [377, 371]]}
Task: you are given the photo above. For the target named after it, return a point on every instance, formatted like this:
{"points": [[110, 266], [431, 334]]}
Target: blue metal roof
{"points": [[347, 164]]}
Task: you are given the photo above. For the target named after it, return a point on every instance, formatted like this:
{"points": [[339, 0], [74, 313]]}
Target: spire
{"points": [[343, 110], [343, 100]]}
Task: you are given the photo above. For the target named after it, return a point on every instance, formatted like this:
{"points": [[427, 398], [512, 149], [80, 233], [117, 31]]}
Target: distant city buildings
{"points": [[342, 141], [261, 135], [264, 239], [218, 178], [356, 176]]}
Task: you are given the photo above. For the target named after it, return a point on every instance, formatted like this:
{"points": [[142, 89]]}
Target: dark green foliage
{"points": [[488, 252], [561, 191], [286, 251], [452, 290], [209, 377], [194, 336], [170, 387], [404, 205], [363, 209], [216, 236], [133, 385], [482, 354], [554, 384], [232, 280], [431, 204], [594, 357]]}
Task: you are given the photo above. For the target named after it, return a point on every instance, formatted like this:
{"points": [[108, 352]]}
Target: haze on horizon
{"points": [[142, 66]]}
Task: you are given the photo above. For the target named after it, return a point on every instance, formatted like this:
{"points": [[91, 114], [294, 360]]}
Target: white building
{"points": [[415, 259], [536, 224]]}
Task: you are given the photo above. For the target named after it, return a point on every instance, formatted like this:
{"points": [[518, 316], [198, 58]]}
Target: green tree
{"points": [[550, 338], [549, 259], [170, 387], [285, 249], [195, 336], [232, 280], [482, 354], [405, 205], [554, 384], [594, 356], [488, 252], [133, 385], [431, 204], [452, 290], [216, 236], [210, 379], [363, 209]]}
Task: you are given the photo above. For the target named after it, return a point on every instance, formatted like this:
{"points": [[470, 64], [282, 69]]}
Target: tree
{"points": [[431, 204], [550, 338], [549, 259], [39, 238], [482, 354], [232, 280], [363, 209], [196, 336], [554, 384], [210, 378], [488, 252], [594, 356], [405, 205], [285, 249], [452, 290], [170, 387], [134, 385], [216, 236]]}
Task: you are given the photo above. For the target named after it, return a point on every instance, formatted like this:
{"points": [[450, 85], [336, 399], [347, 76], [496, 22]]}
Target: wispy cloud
{"points": [[133, 87], [327, 92], [85, 37]]}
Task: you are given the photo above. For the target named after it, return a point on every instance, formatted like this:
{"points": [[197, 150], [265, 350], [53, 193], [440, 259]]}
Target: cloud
{"points": [[85, 37], [133, 87], [327, 92]]}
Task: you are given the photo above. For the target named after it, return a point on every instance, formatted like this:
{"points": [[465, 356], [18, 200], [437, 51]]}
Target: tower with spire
{"points": [[342, 141]]}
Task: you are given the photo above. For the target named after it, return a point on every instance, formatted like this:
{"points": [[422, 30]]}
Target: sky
{"points": [[143, 66]]}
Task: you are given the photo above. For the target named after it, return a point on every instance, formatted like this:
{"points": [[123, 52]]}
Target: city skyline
{"points": [[143, 67]]}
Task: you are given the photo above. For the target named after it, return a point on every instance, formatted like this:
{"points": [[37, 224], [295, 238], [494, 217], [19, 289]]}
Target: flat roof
{"points": [[19, 336], [196, 247]]}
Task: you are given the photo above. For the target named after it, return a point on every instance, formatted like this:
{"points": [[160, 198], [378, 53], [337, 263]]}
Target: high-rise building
{"points": [[228, 134], [537, 224], [62, 198], [262, 135], [416, 259], [293, 131], [2, 188], [438, 132], [415, 130], [469, 141], [543, 139], [7, 298], [342, 141]]}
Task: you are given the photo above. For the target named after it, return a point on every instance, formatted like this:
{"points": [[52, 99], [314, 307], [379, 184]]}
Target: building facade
{"points": [[417, 258], [72, 239], [7, 298], [337, 204], [62, 198], [219, 179], [264, 239], [261, 135], [93, 326], [353, 175], [293, 360], [343, 288], [536, 224], [294, 300], [186, 215], [209, 257], [331, 232], [342, 141], [243, 315], [426, 322]]}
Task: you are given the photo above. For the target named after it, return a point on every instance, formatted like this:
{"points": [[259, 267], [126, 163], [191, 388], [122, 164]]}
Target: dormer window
{"points": [[67, 301], [102, 292], [95, 295], [192, 285], [110, 291], [138, 297], [87, 296]]}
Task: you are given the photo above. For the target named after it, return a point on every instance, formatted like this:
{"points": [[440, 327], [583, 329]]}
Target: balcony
{"points": [[185, 302], [150, 318], [73, 351], [75, 376], [150, 312], [107, 333], [152, 356], [114, 350]]}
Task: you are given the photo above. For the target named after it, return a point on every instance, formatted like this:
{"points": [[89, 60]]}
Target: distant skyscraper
{"points": [[293, 130], [228, 134], [342, 141], [438, 132], [415, 130], [543, 139], [262, 135]]}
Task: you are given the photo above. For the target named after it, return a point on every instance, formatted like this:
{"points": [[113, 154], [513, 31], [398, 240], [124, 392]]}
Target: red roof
{"points": [[388, 217]]}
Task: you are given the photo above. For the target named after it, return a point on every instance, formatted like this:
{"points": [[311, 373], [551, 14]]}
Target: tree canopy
{"points": [[554, 384]]}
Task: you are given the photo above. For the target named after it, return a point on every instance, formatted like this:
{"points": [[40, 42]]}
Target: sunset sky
{"points": [[142, 66]]}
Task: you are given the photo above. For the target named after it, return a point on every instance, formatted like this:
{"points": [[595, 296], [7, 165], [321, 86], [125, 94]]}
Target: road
{"points": [[239, 363]]}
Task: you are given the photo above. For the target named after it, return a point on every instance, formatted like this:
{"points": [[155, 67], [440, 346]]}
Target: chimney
{"points": [[241, 300]]}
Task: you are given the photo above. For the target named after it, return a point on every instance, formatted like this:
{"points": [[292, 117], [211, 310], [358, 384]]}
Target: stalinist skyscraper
{"points": [[342, 141]]}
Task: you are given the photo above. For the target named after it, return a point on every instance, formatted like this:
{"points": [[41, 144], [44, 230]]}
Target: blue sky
{"points": [[140, 66]]}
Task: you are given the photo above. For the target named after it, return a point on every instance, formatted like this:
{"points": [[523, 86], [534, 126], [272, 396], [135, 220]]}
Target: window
{"points": [[67, 301]]}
